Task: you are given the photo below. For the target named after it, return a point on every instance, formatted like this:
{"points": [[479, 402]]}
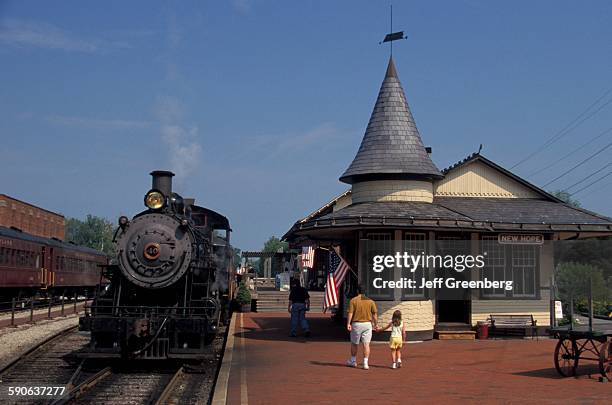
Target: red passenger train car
{"points": [[32, 265]]}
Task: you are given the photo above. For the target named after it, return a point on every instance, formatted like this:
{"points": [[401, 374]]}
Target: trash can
{"points": [[482, 328]]}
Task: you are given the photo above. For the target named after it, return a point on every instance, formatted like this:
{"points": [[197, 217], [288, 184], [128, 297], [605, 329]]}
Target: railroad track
{"points": [[41, 366], [140, 383], [117, 385], [189, 387], [122, 383]]}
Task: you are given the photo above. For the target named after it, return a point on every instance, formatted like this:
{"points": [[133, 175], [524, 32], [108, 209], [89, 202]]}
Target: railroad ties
{"points": [[106, 382]]}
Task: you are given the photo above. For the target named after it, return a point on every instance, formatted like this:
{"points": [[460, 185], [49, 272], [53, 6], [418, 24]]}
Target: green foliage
{"points": [[595, 252], [573, 281], [243, 297], [600, 307], [566, 197], [94, 232], [272, 245]]}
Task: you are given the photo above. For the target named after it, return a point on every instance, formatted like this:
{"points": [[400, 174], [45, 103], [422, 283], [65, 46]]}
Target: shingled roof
{"points": [[392, 146]]}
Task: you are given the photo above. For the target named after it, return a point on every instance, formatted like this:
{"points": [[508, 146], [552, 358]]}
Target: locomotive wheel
{"points": [[605, 360], [566, 357]]}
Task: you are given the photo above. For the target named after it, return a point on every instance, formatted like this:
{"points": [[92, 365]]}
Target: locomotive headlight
{"points": [[154, 200]]}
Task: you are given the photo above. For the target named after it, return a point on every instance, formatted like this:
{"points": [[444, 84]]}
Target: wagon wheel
{"points": [[605, 360], [566, 357]]}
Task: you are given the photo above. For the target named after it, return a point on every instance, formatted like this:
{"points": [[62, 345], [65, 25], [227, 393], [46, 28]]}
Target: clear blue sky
{"points": [[259, 105]]}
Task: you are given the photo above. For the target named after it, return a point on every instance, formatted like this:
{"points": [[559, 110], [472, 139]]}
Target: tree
{"points": [[596, 252], [272, 245], [93, 232], [573, 280], [566, 198]]}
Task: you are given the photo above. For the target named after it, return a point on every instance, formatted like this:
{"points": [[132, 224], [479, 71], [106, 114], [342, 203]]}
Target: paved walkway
{"points": [[268, 367]]}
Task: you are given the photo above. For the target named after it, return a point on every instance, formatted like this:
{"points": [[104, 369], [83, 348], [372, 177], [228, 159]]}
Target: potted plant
{"points": [[243, 297]]}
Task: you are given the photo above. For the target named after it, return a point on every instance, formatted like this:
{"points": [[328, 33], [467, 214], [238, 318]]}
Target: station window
{"points": [[516, 263], [524, 268], [414, 244], [378, 244], [495, 265]]}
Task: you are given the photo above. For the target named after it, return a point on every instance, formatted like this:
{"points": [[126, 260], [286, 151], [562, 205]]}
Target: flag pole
{"points": [[337, 250]]}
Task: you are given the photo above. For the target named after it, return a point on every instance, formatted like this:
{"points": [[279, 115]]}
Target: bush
{"points": [[244, 295]]}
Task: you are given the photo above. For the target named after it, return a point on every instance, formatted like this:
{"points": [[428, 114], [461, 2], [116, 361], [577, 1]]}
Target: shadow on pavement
{"points": [[584, 372], [330, 364], [277, 328]]}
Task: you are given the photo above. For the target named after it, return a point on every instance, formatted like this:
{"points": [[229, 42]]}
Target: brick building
{"points": [[30, 218]]}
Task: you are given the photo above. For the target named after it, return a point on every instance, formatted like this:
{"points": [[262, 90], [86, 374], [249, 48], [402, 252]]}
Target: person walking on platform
{"points": [[396, 341], [299, 303], [362, 318]]}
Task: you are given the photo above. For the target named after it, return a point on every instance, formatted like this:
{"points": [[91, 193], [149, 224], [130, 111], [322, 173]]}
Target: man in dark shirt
{"points": [[299, 303]]}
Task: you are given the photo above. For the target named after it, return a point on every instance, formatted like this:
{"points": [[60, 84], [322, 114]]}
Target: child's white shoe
{"points": [[399, 364], [365, 365], [351, 363], [393, 365]]}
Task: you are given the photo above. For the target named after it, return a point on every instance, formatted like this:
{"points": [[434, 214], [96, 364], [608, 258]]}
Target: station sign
{"points": [[520, 239]]}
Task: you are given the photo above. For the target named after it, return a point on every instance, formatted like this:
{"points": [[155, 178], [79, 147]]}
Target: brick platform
{"points": [[270, 367]]}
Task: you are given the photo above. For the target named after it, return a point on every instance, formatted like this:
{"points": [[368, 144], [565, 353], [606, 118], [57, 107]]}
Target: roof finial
{"points": [[392, 36]]}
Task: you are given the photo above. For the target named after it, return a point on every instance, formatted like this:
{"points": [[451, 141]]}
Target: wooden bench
{"points": [[513, 325]]}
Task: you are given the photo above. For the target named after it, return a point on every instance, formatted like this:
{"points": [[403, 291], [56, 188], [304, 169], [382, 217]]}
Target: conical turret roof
{"points": [[391, 147]]}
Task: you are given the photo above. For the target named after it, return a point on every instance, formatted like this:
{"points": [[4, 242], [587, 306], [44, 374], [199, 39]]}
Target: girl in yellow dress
{"points": [[398, 335]]}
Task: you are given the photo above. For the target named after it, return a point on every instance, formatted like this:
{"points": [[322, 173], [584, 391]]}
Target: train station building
{"points": [[399, 196]]}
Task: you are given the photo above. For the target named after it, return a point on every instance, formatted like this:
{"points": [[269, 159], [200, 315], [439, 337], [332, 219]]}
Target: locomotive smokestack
{"points": [[162, 181]]}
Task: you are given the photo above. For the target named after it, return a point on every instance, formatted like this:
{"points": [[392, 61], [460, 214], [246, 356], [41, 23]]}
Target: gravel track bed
{"points": [[15, 341], [135, 384], [44, 367], [127, 387], [196, 388]]}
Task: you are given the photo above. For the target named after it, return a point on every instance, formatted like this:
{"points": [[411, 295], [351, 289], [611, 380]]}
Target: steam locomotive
{"points": [[169, 284]]}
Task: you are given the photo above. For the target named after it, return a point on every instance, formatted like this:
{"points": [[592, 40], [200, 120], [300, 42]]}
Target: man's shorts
{"points": [[361, 332]]}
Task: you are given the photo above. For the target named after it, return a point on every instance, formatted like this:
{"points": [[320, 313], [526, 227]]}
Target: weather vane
{"points": [[392, 36]]}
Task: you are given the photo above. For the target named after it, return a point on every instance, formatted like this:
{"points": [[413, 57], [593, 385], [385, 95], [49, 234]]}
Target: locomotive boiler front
{"points": [[155, 249]]}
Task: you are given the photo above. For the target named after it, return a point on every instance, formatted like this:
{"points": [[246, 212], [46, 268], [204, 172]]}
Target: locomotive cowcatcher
{"points": [[169, 284]]}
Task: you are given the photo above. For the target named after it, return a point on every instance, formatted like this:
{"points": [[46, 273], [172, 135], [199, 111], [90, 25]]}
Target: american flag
{"points": [[308, 253], [338, 268]]}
